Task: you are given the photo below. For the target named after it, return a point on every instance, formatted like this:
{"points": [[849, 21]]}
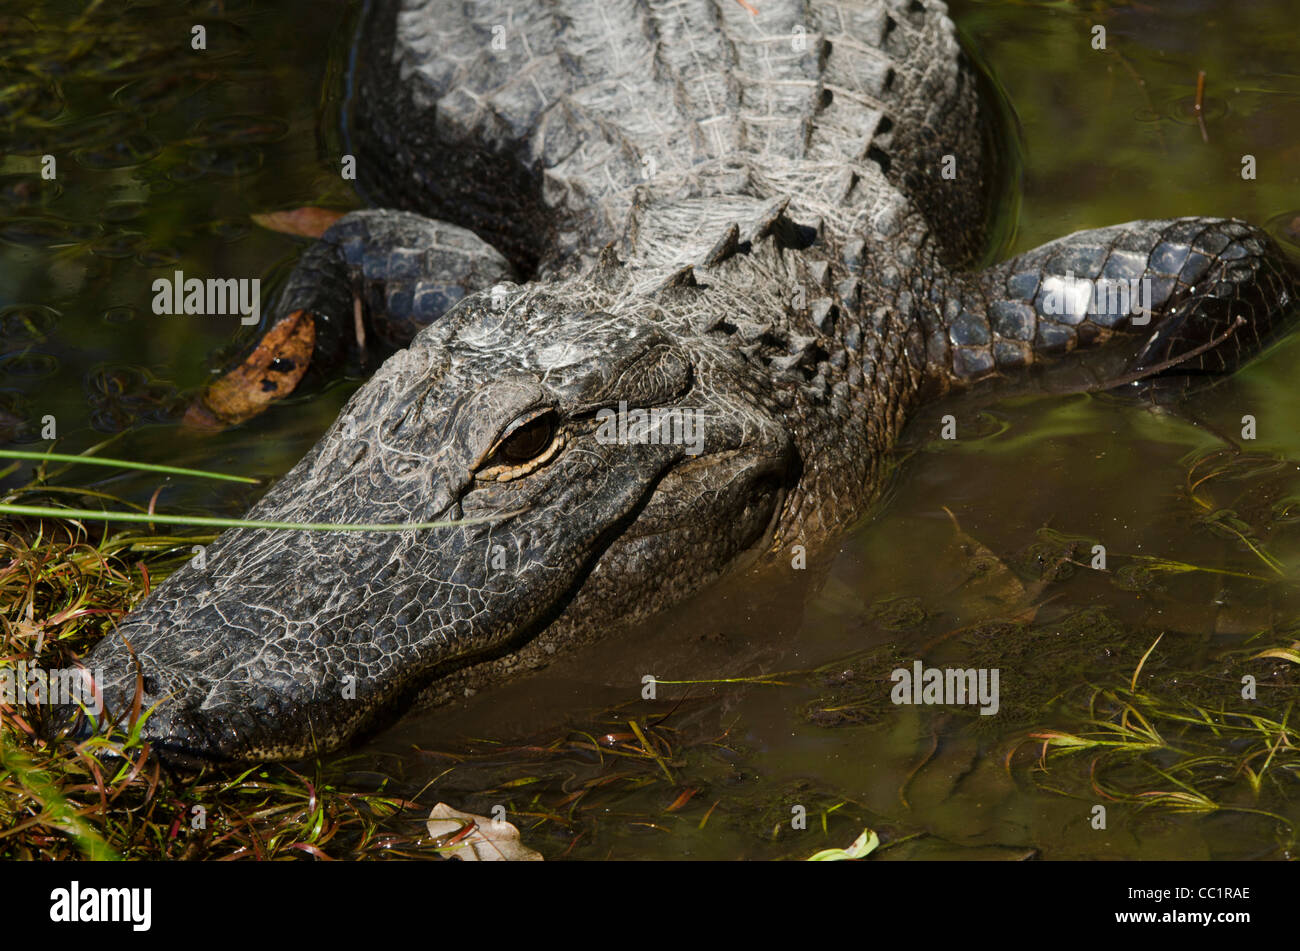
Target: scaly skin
{"points": [[744, 215]]}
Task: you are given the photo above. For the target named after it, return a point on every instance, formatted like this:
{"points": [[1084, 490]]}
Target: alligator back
{"points": [[554, 128]]}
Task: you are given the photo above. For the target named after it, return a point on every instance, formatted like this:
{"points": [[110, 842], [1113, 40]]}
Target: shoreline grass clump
{"points": [[110, 796], [63, 584]]}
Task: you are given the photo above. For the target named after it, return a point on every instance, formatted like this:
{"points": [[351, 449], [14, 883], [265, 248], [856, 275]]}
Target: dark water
{"points": [[162, 152], [162, 155]]}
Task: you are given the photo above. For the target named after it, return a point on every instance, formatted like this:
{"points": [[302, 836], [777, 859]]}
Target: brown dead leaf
{"points": [[306, 222], [269, 373], [474, 838], [990, 589]]}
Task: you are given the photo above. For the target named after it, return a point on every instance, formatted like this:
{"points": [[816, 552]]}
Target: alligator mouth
{"points": [[772, 479]]}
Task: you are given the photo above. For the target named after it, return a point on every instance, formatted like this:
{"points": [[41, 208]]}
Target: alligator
{"points": [[589, 223]]}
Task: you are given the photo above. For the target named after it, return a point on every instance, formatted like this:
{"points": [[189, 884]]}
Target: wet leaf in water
{"points": [[862, 846], [305, 222], [989, 588], [472, 838], [267, 374]]}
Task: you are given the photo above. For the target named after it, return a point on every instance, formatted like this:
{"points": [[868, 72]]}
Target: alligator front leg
{"points": [[1188, 296], [362, 291]]}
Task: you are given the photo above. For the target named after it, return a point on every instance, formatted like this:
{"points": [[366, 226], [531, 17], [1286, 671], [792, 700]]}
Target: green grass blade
{"points": [[214, 522], [123, 464]]}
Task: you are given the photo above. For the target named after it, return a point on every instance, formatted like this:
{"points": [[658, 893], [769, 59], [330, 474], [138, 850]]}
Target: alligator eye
{"points": [[527, 441], [523, 448]]}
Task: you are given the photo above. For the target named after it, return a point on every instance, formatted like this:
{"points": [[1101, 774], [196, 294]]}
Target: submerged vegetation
{"points": [[1164, 750]]}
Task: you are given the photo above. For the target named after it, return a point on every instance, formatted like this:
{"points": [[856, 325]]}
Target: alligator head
{"points": [[514, 418]]}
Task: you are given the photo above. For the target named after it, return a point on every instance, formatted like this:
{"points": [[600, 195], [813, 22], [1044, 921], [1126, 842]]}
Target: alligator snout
{"points": [[177, 731]]}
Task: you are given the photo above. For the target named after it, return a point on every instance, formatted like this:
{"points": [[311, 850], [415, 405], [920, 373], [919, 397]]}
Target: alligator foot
{"points": [[1183, 299], [370, 283]]}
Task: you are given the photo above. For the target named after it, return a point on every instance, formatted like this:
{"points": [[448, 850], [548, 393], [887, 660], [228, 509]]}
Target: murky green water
{"points": [[161, 154], [979, 558]]}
